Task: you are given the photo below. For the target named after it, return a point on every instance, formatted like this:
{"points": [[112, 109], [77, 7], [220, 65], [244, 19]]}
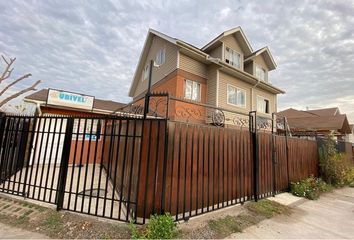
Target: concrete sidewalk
{"points": [[9, 232], [331, 216]]}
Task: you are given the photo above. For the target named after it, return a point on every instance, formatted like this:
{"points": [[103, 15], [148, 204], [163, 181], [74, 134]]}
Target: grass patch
{"points": [[255, 212], [53, 221], [224, 227], [22, 220], [28, 212], [17, 209], [7, 206], [267, 208]]}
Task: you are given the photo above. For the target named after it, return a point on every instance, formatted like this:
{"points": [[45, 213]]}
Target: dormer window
{"points": [[232, 57], [161, 56], [261, 73]]}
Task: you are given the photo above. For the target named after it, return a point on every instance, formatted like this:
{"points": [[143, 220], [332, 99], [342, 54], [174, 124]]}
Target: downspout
{"points": [[253, 87], [38, 107], [216, 61]]}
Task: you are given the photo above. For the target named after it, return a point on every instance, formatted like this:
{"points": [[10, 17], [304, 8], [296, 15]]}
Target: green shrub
{"points": [[159, 227], [335, 168], [310, 188]]}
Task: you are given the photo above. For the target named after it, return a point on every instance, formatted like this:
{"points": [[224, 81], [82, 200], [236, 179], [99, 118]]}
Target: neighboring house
{"points": [[71, 108], [319, 122], [351, 135], [87, 130], [225, 73]]}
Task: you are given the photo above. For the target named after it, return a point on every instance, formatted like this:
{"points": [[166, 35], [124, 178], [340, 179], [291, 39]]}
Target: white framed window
{"points": [[236, 96], [232, 57], [261, 73], [146, 72], [192, 90], [161, 56], [263, 105]]}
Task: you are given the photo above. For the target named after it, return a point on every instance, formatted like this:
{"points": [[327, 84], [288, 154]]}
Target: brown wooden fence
{"points": [[207, 167]]}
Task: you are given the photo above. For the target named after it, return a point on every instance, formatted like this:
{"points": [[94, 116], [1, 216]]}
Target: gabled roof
{"points": [[98, 104], [338, 123], [240, 36], [145, 52], [315, 120], [293, 113], [325, 111], [268, 58], [198, 53]]}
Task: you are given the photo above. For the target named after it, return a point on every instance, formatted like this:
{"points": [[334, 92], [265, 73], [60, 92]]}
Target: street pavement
{"points": [[330, 217]]}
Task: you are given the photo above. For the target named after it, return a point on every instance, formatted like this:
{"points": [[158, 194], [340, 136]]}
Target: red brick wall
{"points": [[174, 85]]}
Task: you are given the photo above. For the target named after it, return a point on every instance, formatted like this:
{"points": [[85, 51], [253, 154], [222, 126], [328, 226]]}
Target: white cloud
{"points": [[93, 46]]}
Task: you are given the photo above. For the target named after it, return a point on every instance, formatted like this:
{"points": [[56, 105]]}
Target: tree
{"points": [[5, 78]]}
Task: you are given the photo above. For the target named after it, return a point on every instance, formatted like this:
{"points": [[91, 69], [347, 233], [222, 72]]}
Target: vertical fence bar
{"points": [[56, 161], [44, 159], [147, 170], [80, 164], [29, 154], [122, 175], [139, 171], [2, 131], [64, 163], [164, 168], [42, 133], [97, 135], [179, 168], [49, 164], [116, 159], [103, 146], [132, 161], [273, 157], [287, 151], [37, 146], [13, 161], [253, 131], [91, 120], [20, 155]]}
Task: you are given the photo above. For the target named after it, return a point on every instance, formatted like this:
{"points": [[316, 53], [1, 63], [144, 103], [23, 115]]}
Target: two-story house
{"points": [[225, 73]]}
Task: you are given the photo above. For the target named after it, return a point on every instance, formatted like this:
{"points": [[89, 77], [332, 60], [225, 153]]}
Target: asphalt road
{"points": [[330, 217]]}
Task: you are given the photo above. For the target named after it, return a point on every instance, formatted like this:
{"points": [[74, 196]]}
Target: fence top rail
{"points": [[104, 117]]}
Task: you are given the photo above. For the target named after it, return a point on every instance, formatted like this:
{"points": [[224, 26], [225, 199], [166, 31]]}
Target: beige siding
{"points": [[158, 73], [212, 85], [260, 61], [271, 97], [224, 80], [216, 52], [251, 95], [191, 65], [231, 42]]}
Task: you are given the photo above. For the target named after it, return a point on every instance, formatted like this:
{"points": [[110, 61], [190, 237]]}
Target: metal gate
{"points": [[83, 164]]}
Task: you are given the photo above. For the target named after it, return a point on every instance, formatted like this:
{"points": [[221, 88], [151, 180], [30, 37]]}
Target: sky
{"points": [[93, 47]]}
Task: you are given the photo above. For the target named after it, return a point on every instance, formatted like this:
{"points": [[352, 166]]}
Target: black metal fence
{"points": [[183, 157]]}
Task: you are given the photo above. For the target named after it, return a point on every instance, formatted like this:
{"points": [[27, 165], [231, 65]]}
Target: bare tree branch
{"points": [[8, 70], [14, 82], [13, 96]]}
